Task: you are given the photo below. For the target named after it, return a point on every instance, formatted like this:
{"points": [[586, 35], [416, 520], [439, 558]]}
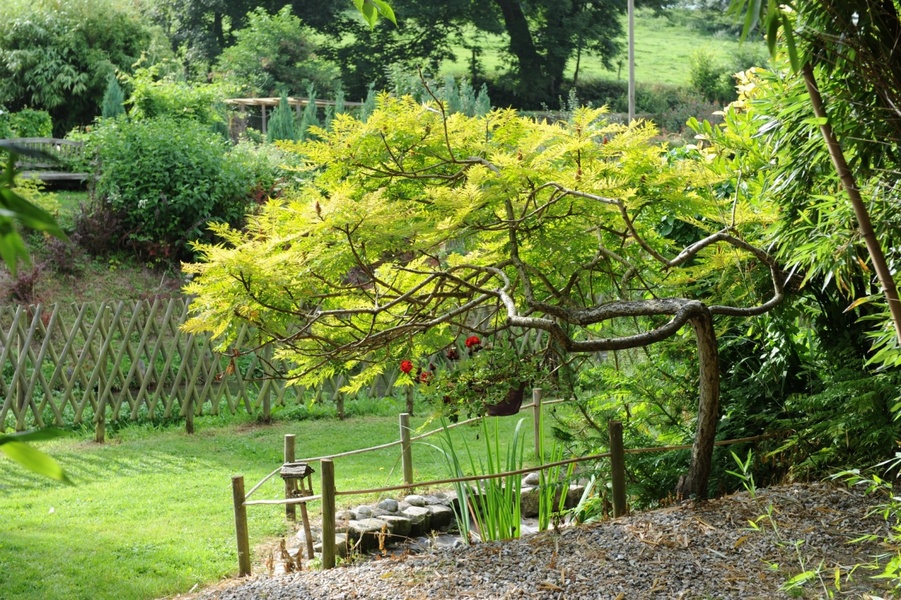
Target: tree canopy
{"points": [[418, 227]]}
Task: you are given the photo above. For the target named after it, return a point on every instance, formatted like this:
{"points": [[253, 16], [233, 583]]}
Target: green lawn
{"points": [[150, 513]]}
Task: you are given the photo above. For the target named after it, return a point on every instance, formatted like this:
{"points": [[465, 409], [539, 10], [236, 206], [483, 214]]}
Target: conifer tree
{"points": [[113, 99]]}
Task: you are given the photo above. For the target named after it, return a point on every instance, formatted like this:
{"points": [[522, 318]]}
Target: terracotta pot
{"points": [[510, 404]]}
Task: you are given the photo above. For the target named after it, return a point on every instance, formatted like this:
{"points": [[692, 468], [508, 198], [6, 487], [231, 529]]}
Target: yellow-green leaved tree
{"points": [[418, 229]]}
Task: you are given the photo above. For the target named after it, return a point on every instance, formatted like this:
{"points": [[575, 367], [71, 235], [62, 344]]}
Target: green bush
{"points": [[158, 92], [166, 178], [25, 123]]}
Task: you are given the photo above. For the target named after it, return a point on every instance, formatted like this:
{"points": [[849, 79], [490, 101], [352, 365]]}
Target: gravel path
{"points": [[685, 551]]}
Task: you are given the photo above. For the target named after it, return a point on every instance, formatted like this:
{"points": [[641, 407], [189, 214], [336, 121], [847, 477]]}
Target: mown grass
{"points": [[150, 514]]}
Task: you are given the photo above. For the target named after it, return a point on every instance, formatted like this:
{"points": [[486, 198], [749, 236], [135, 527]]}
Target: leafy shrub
{"points": [[267, 167], [21, 287], [158, 92], [166, 178], [98, 228], [709, 77], [31, 123], [62, 256], [714, 78]]}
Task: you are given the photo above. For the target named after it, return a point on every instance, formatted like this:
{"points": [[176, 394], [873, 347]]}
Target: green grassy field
{"points": [[150, 514], [663, 50]]}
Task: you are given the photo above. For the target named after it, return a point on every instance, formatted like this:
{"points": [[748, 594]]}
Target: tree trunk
{"points": [[522, 46], [877, 257], [694, 484]]}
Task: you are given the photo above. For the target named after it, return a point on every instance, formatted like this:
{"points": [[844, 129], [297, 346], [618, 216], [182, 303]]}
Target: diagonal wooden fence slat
{"points": [[71, 364]]}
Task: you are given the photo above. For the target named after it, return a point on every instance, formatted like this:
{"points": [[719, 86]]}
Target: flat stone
{"points": [[419, 520], [363, 512], [402, 506], [378, 513], [366, 532], [574, 495], [432, 500], [415, 500], [345, 515], [528, 505], [389, 505], [441, 516], [445, 542], [343, 545], [398, 527]]}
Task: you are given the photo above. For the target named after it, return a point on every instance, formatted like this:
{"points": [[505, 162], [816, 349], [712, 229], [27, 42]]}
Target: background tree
{"points": [[59, 56], [275, 52], [418, 228]]}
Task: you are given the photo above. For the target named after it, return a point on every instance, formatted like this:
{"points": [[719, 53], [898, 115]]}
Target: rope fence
{"points": [[329, 491]]}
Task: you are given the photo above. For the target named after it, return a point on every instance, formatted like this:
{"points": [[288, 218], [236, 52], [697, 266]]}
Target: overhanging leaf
{"points": [[32, 459]]}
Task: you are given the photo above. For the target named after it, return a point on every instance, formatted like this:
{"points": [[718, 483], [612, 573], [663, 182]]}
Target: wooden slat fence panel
{"points": [[70, 364]]}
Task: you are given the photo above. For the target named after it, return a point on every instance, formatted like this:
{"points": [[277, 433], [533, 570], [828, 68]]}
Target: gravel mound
{"points": [[685, 551]]}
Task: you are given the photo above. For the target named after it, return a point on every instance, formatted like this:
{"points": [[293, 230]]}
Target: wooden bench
{"points": [[60, 155]]}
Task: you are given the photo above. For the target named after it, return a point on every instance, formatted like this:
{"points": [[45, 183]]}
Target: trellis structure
{"points": [[116, 360]]}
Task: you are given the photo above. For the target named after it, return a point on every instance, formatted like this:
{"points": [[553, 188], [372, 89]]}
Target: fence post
{"points": [[408, 390], [100, 421], [339, 402], [328, 513], [189, 413], [536, 413], [406, 448], [241, 526], [617, 468], [290, 484]]}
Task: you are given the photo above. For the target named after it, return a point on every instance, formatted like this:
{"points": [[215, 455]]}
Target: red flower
{"points": [[406, 366], [473, 340], [425, 376]]}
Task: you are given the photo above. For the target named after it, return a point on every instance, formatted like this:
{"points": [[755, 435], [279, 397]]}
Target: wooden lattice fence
{"points": [[66, 365]]}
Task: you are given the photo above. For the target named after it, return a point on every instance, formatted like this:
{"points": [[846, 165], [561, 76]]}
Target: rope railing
{"points": [[420, 436], [329, 491]]}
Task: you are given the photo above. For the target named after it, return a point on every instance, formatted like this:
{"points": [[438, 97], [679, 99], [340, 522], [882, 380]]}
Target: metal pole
{"points": [[631, 10]]}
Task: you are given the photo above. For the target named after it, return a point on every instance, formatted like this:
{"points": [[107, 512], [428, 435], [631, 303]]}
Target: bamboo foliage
{"points": [[66, 365]]}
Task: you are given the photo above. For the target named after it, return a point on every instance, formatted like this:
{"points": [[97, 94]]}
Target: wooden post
{"points": [[339, 401], [406, 449], [328, 513], [264, 118], [617, 468], [189, 413], [408, 390], [241, 526], [536, 413], [100, 421], [290, 484]]}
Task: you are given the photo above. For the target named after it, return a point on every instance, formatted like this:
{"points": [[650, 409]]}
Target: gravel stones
{"points": [[684, 551]]}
